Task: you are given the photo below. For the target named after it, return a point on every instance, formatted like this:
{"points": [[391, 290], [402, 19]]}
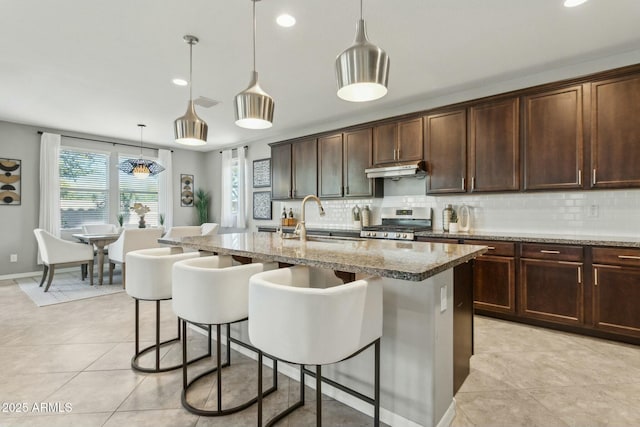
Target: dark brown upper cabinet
{"points": [[357, 157], [330, 166], [553, 143], [281, 172], [445, 137], [615, 132], [304, 155], [398, 141], [494, 146], [342, 159]]}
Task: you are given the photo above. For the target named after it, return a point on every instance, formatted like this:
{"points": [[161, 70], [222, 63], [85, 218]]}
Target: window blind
{"points": [[84, 187]]}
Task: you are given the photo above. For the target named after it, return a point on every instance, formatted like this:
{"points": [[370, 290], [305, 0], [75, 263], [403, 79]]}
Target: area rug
{"points": [[68, 287]]}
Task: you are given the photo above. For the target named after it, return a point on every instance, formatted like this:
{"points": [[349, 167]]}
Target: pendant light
{"points": [[254, 107], [190, 129], [362, 70], [140, 168]]}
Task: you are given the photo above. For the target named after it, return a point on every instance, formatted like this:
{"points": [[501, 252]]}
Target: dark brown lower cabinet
{"points": [[494, 277], [551, 290], [616, 290]]}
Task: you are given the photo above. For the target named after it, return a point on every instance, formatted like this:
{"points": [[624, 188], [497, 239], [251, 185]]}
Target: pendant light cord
{"points": [[361, 10], [141, 126], [254, 35], [190, 69]]}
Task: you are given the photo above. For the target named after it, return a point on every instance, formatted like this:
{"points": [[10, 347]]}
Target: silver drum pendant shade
{"points": [[254, 107], [362, 69], [190, 129]]}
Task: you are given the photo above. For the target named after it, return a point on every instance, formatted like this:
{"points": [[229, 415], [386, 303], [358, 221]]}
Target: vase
{"points": [[141, 223]]}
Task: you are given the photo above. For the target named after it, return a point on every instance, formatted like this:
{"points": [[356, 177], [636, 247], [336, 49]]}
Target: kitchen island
{"points": [[417, 341]]}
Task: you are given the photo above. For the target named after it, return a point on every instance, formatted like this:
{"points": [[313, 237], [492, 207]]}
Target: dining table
{"points": [[100, 241]]}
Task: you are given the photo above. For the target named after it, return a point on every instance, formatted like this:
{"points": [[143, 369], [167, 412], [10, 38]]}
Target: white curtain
{"points": [[165, 184], [241, 219], [50, 183], [227, 218]]}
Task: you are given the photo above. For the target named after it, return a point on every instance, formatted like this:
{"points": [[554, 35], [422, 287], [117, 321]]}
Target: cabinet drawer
{"points": [[495, 248], [437, 240], [616, 256], [552, 252]]}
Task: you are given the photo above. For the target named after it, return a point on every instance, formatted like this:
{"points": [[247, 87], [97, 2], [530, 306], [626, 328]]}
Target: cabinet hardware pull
{"points": [[595, 277], [398, 154], [579, 274], [491, 248], [628, 257], [394, 154], [463, 183], [473, 183], [579, 176], [544, 251], [347, 189], [594, 176]]}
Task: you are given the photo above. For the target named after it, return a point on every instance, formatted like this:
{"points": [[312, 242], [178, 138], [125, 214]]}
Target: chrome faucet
{"points": [[301, 229]]}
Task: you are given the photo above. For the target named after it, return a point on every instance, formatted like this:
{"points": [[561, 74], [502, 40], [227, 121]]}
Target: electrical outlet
{"points": [[443, 299], [13, 258], [593, 211]]}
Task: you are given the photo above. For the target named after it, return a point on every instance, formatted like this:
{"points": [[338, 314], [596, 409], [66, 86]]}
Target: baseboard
{"points": [[386, 416], [449, 415]]}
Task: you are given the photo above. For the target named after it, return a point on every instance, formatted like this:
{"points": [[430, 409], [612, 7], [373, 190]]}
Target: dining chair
{"points": [[56, 252], [99, 229], [131, 239]]}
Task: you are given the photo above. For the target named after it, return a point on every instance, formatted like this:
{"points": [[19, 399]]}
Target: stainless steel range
{"points": [[400, 224]]}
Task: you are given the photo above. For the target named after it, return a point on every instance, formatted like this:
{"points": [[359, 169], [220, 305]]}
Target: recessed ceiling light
{"points": [[180, 82], [286, 20], [573, 3]]}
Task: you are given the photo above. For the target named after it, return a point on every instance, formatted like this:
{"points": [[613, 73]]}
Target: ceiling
{"points": [[101, 67]]}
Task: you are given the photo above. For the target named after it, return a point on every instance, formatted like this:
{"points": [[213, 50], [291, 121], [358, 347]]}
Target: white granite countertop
{"points": [[565, 239], [414, 261]]}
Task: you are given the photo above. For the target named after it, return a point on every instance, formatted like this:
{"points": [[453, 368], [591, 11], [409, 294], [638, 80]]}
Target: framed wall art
{"points": [[262, 173], [186, 190], [262, 205], [10, 181]]}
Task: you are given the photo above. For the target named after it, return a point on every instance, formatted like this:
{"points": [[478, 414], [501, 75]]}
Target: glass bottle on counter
{"points": [[284, 212], [446, 217], [290, 213]]}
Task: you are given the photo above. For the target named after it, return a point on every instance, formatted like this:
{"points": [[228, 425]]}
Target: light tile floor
{"points": [[79, 353]]}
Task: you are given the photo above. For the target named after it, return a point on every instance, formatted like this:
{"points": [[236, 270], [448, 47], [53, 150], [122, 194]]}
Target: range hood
{"points": [[399, 170]]}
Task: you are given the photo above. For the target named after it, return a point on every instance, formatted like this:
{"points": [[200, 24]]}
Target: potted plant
{"points": [[453, 222], [120, 220], [202, 205]]}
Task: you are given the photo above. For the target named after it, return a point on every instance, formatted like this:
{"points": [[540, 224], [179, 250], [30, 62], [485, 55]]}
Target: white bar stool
{"points": [[211, 291], [149, 279], [305, 315]]}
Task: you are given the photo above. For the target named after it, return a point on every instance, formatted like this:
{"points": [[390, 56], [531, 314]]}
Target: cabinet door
{"points": [[616, 297], [304, 156], [384, 143], [494, 284], [410, 140], [615, 133], [358, 157], [330, 166], [553, 140], [281, 172], [494, 140], [551, 290], [446, 152]]}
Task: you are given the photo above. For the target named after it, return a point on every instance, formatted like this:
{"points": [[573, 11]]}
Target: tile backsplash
{"points": [[610, 213]]}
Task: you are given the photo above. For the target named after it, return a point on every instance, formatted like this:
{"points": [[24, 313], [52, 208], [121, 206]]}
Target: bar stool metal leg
{"points": [[218, 368], [135, 364]]}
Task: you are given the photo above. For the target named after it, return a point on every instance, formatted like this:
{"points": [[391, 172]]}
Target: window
{"points": [[135, 190], [84, 187]]}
